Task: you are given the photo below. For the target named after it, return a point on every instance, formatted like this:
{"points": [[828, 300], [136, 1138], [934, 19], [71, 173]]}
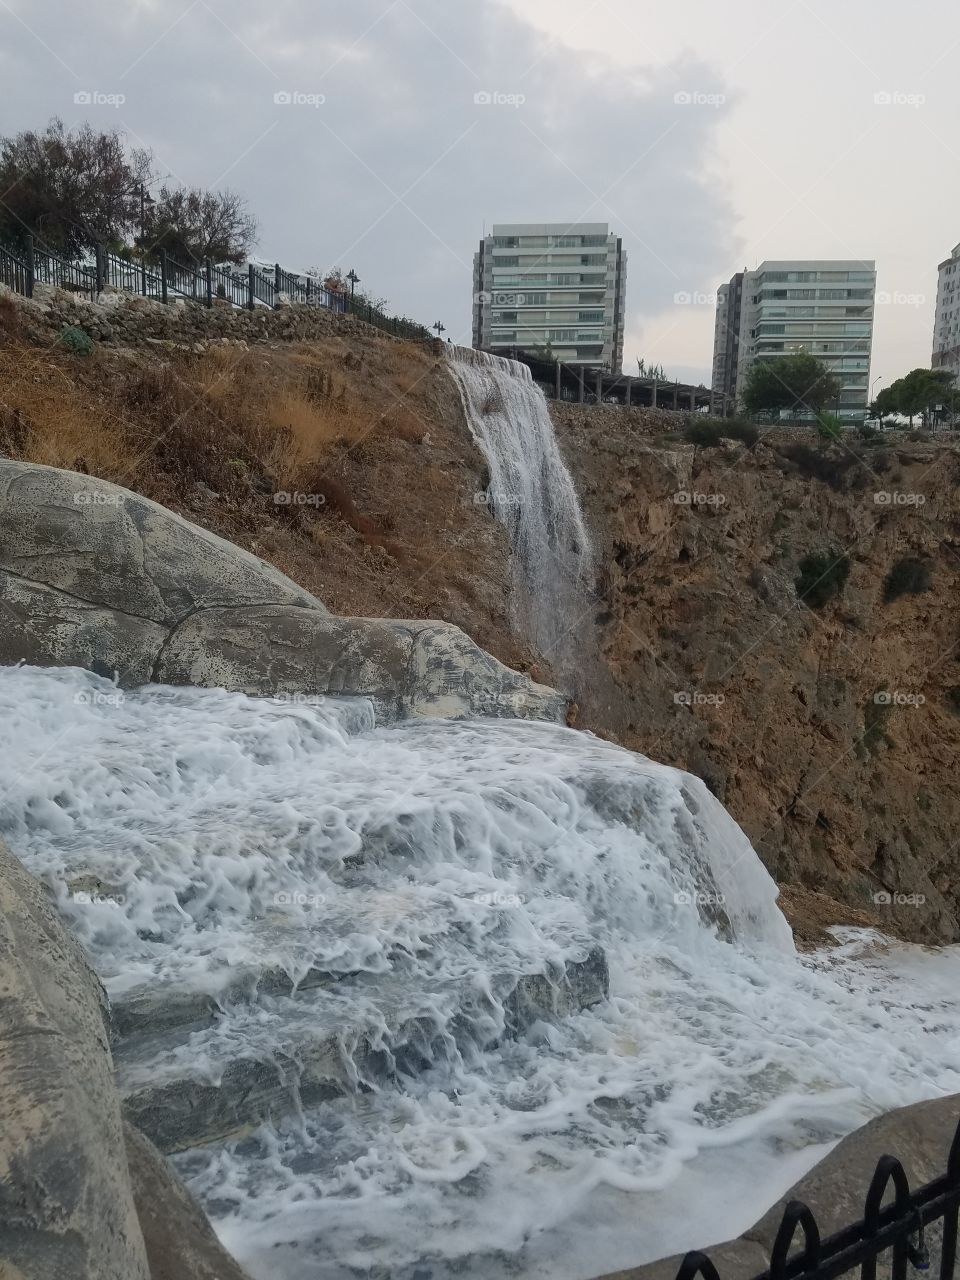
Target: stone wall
{"points": [[119, 319]]}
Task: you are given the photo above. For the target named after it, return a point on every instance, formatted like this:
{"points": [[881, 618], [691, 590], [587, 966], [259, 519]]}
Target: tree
{"points": [[918, 392], [798, 383], [71, 189], [192, 225], [654, 371]]}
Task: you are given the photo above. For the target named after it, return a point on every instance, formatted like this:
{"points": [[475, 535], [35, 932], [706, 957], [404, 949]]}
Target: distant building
{"points": [[946, 326], [821, 307], [552, 287]]}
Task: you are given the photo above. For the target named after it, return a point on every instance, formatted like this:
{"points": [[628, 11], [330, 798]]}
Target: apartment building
{"points": [[553, 288], [822, 307], [946, 326]]}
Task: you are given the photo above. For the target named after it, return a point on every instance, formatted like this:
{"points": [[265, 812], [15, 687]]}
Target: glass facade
{"points": [[553, 290]]}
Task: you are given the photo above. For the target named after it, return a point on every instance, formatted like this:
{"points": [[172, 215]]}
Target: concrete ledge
{"points": [[919, 1136]]}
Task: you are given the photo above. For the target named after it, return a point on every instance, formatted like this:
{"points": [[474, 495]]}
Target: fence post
{"points": [[208, 277], [101, 272], [163, 275], [277, 278], [308, 290], [31, 266], [250, 286]]}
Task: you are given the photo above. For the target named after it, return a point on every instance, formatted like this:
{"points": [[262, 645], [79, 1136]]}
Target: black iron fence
{"points": [[917, 1230], [166, 281]]}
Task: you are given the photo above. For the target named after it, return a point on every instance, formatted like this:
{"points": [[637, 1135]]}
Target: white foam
{"points": [[440, 856]]}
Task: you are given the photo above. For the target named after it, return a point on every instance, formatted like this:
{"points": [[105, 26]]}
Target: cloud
{"points": [[382, 134]]}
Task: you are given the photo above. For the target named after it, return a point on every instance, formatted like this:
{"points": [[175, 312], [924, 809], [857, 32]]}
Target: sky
{"points": [[709, 136]]}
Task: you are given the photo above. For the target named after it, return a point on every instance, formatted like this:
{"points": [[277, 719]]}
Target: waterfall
{"points": [[532, 494], [286, 901]]}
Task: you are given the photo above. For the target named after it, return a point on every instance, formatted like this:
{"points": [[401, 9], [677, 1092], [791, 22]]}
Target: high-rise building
{"points": [[552, 288], [946, 326], [821, 307]]}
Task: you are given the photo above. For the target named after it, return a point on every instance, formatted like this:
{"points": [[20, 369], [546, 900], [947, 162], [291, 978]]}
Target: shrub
{"points": [[76, 340], [907, 577], [875, 716], [822, 576], [706, 434], [829, 468], [953, 699], [709, 432], [829, 427], [745, 432]]}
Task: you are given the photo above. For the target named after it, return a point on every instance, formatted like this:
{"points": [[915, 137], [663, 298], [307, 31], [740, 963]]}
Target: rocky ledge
{"points": [[95, 576]]}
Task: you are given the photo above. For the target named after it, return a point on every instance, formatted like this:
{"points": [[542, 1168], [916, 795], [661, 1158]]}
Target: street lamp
{"points": [[354, 281], [440, 328], [145, 199]]}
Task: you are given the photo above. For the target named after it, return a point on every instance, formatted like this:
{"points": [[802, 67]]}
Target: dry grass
{"points": [[375, 429]]}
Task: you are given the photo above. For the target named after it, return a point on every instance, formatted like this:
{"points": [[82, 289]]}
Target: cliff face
{"points": [[831, 733]]}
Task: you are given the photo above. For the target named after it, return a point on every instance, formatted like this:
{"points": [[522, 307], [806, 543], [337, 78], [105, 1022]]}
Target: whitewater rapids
{"points": [[210, 831]]}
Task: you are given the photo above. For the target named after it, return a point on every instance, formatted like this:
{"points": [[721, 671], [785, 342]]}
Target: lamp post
{"points": [[145, 199], [354, 281], [873, 397], [440, 328]]}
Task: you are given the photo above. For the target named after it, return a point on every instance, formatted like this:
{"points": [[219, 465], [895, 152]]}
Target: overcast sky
{"points": [[709, 136]]}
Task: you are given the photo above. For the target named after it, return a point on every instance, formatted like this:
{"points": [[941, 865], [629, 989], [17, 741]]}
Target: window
{"points": [[562, 335], [590, 317], [506, 242], [507, 262], [504, 317], [593, 259]]}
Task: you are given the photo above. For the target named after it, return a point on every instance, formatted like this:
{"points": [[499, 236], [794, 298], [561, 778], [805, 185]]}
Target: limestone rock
{"points": [[180, 1243], [95, 576], [66, 1205], [102, 544]]}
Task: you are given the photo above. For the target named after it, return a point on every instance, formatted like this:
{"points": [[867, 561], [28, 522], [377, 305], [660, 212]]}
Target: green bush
{"points": [[875, 716], [830, 469], [907, 577], [829, 427], [822, 576], [745, 432], [708, 432], [76, 340]]}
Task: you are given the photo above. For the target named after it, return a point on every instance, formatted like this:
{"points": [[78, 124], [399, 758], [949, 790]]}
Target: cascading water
{"points": [[532, 494], [204, 844]]}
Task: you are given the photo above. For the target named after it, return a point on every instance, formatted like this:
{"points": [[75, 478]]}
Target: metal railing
{"points": [[902, 1229], [206, 284]]}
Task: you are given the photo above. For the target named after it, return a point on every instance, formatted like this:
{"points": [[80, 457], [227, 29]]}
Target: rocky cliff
{"points": [[828, 726]]}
